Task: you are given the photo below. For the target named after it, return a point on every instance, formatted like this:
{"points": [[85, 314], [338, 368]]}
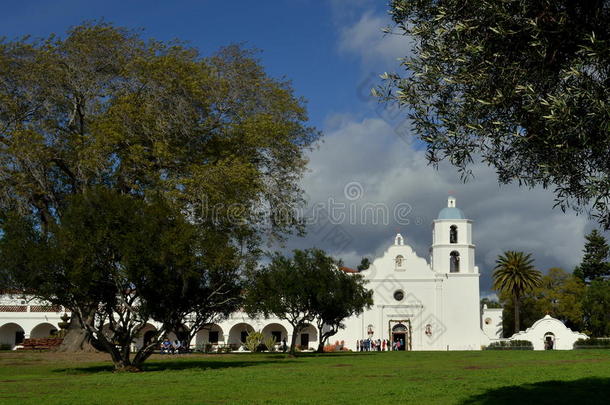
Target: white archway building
{"points": [[549, 330], [426, 304]]}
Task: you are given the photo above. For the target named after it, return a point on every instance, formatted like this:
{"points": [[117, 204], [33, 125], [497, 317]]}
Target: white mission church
{"points": [[426, 305]]}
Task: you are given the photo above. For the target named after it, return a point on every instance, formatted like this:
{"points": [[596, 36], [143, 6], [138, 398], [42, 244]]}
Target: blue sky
{"points": [[332, 51]]}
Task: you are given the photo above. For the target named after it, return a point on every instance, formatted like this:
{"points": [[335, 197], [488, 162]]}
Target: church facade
{"points": [[425, 305], [428, 305]]}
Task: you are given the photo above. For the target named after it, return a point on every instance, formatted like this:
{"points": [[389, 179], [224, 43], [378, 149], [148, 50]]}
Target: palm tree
{"points": [[515, 274]]}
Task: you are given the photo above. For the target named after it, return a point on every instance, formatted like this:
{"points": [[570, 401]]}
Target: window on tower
{"points": [[453, 234], [454, 262]]}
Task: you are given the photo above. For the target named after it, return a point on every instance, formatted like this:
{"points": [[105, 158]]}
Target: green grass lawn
{"points": [[488, 377]]}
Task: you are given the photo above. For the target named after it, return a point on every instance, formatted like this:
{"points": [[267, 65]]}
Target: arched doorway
{"points": [[307, 337], [549, 341], [239, 333], [11, 334], [43, 330], [400, 337], [146, 335], [277, 331], [210, 334], [180, 334]]}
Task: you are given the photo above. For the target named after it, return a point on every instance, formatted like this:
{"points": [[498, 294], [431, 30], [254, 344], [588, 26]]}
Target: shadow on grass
{"points": [[168, 363], [335, 354], [191, 364], [584, 391]]}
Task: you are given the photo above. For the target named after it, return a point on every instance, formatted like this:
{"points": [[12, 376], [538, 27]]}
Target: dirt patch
{"points": [[379, 376], [480, 367], [341, 365], [25, 357]]}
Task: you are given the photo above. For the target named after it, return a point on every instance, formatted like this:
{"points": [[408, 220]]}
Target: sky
{"points": [[333, 52]]}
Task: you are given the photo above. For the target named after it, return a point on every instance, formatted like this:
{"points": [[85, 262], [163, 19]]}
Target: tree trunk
{"points": [[143, 354], [321, 339], [517, 327], [293, 339], [76, 339]]}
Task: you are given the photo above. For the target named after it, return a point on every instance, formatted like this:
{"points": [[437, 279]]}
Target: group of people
{"points": [[379, 345], [175, 347]]}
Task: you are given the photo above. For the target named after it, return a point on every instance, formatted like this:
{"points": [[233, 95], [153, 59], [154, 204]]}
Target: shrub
{"points": [[253, 341], [511, 345], [330, 348], [592, 343], [270, 343], [5, 346], [337, 347]]}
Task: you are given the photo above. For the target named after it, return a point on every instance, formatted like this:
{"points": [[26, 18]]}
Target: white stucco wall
{"points": [[442, 308], [564, 337], [491, 322]]}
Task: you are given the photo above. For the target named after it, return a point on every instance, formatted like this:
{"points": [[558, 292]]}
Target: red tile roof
{"points": [[348, 270]]}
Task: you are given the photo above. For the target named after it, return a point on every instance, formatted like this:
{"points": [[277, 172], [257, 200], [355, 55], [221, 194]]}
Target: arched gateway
{"points": [[400, 334]]}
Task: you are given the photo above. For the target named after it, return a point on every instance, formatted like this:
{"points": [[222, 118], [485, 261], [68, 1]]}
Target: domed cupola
{"points": [[451, 211]]}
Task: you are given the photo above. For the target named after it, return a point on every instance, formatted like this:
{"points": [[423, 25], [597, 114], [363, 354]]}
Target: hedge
{"points": [[511, 345]]}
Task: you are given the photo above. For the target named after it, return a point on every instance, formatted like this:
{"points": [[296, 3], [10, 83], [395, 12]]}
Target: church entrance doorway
{"points": [[549, 341], [399, 341], [400, 335], [304, 340]]}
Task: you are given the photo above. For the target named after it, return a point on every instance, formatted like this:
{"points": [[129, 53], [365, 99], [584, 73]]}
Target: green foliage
{"points": [[270, 343], [337, 296], [365, 263], [214, 136], [281, 289], [515, 275], [560, 294], [528, 313], [592, 343], [596, 308], [119, 262], [594, 263], [490, 303], [522, 84], [305, 287], [254, 341], [511, 345]]}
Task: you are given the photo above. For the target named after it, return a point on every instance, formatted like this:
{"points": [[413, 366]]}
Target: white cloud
{"points": [[365, 39], [391, 171]]}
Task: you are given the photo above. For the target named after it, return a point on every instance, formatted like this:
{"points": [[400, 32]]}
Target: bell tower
{"points": [[452, 248]]}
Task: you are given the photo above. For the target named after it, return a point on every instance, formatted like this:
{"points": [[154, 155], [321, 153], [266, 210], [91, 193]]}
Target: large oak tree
{"points": [[523, 85], [215, 137]]}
